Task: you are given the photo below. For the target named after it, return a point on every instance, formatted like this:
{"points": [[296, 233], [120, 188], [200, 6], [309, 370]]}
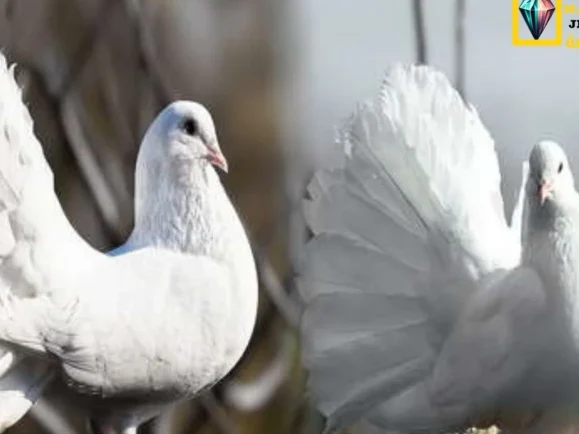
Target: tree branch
{"points": [[419, 31], [460, 61]]}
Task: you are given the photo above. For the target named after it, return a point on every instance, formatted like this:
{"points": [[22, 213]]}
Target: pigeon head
{"points": [[174, 172], [550, 177], [183, 134]]}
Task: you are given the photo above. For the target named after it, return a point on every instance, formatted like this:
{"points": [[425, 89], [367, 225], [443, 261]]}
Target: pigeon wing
{"points": [[39, 249]]}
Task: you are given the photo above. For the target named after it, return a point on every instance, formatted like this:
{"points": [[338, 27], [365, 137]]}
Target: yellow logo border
{"points": [[557, 40]]}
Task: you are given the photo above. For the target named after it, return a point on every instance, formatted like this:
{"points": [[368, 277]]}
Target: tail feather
{"points": [[335, 259], [363, 170], [402, 230], [351, 214], [342, 320], [371, 336], [321, 182], [429, 420], [402, 193], [395, 379]]}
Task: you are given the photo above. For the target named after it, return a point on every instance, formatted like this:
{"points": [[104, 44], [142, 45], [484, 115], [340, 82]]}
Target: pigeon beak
{"points": [[216, 158], [544, 191]]}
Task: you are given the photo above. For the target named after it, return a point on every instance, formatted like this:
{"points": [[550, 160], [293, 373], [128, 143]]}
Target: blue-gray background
{"points": [[522, 93]]}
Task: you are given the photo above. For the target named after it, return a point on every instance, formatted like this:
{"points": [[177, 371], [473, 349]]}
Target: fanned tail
{"points": [[401, 231]]}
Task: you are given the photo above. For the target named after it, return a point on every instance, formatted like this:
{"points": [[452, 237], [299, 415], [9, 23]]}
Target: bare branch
{"points": [[419, 31], [459, 38], [50, 418], [217, 413], [147, 53], [286, 306], [85, 49], [90, 169], [253, 395]]}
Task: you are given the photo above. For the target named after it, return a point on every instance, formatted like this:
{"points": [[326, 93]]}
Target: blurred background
{"points": [[277, 77]]}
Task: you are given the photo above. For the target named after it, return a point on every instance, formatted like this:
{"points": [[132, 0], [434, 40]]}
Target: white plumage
{"points": [[163, 317], [424, 311]]}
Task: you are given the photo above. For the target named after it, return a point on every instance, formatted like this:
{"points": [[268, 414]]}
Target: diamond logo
{"points": [[537, 14]]}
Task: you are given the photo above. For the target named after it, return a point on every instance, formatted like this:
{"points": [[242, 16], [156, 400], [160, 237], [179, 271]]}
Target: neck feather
{"points": [[190, 213], [550, 248]]}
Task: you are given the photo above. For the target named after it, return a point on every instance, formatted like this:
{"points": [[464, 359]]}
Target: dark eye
{"points": [[190, 127], [560, 169]]}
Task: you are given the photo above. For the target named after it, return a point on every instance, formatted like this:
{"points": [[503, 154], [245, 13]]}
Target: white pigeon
{"points": [[162, 319], [425, 311]]}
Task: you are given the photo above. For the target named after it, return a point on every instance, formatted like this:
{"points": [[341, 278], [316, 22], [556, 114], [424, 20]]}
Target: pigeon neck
{"points": [[550, 248], [189, 213]]}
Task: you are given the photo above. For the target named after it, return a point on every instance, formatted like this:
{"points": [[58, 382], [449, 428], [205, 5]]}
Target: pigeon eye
{"points": [[560, 169], [190, 127]]}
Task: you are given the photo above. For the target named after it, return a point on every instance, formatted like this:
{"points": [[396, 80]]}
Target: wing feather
{"points": [[38, 247]]}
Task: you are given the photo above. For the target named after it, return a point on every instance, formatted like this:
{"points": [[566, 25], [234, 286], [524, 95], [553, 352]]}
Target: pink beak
{"points": [[545, 188], [216, 158]]}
